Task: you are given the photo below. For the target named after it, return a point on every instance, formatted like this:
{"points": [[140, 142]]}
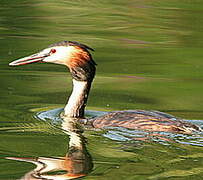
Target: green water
{"points": [[149, 56]]}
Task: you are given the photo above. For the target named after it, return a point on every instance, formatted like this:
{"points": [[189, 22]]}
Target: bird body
{"points": [[144, 120], [82, 67]]}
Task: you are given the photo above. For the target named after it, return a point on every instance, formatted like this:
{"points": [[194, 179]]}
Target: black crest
{"points": [[72, 43]]}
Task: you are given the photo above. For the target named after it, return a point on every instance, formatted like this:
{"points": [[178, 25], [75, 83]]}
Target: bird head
{"points": [[72, 54]]}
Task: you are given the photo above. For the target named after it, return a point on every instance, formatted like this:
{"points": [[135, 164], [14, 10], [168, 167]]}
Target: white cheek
{"points": [[50, 59], [54, 59], [61, 56]]}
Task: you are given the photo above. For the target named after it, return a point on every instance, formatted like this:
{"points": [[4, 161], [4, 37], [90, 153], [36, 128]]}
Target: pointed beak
{"points": [[38, 57]]}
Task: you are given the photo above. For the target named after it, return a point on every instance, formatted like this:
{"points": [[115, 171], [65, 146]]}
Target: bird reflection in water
{"points": [[76, 163]]}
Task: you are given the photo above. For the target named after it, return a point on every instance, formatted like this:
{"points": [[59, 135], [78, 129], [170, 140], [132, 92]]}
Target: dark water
{"points": [[149, 56]]}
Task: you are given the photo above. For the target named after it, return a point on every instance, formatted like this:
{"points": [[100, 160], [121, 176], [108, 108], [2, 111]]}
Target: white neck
{"points": [[77, 101]]}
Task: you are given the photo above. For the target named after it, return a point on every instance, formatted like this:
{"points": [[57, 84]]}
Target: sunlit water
{"points": [[149, 56]]}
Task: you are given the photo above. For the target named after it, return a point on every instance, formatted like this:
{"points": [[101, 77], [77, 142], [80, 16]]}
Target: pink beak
{"points": [[38, 57]]}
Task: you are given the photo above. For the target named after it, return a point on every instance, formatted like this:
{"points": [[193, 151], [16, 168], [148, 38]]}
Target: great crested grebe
{"points": [[82, 67]]}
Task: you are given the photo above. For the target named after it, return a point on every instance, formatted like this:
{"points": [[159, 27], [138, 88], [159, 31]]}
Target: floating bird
{"points": [[82, 67]]}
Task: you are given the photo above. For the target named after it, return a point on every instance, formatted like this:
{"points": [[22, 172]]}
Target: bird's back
{"points": [[144, 120]]}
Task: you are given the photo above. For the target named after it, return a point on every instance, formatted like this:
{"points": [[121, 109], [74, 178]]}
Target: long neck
{"points": [[78, 99]]}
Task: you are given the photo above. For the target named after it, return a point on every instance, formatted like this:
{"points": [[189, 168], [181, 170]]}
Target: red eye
{"points": [[53, 51]]}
